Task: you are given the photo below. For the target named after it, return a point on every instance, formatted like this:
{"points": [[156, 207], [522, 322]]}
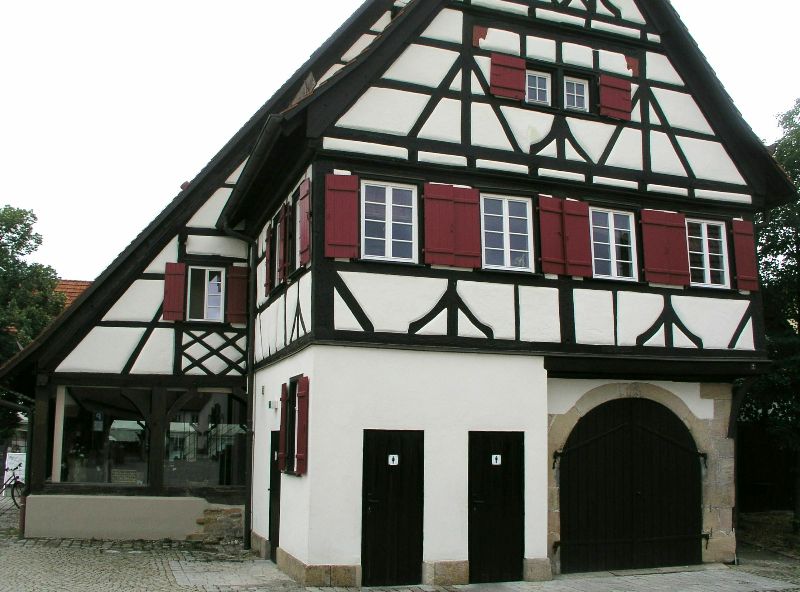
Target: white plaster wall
{"points": [[139, 303], [492, 304], [407, 67], [447, 26], [157, 357], [563, 394], [295, 491], [385, 110], [216, 245], [103, 350], [713, 320], [444, 394], [168, 254], [594, 317], [208, 214]]}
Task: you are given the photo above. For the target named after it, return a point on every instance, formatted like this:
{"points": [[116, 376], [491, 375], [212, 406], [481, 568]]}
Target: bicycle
{"points": [[15, 485]]}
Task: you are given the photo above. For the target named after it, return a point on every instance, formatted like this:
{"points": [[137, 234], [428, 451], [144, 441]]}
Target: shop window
{"points": [[206, 441], [105, 438]]}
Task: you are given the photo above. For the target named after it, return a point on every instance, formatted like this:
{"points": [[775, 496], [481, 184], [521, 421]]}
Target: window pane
{"points": [[493, 223], [517, 209], [696, 260], [624, 254], [622, 221], [401, 214], [622, 237], [695, 229], [402, 250], [374, 211], [715, 247], [518, 242], [519, 259], [105, 438], [197, 293], [214, 301], [602, 251], [374, 248], [602, 235], [696, 245], [402, 197], [375, 229], [714, 231], [698, 276], [375, 194], [493, 240], [518, 225], [602, 267], [624, 269], [493, 206], [600, 218], [213, 314], [494, 257], [402, 232], [718, 278], [206, 442], [715, 262]]}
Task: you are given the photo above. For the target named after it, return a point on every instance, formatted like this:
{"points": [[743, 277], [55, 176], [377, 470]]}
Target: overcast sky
{"points": [[107, 107]]}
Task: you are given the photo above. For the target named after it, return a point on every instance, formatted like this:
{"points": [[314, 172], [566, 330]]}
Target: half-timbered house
{"points": [[463, 302]]}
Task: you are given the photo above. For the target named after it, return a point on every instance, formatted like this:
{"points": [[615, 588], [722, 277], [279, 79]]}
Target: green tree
{"points": [[774, 399], [28, 301]]}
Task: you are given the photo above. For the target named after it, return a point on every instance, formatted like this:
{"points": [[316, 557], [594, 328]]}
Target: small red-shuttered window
{"points": [[236, 297], [452, 226], [175, 292], [666, 252], [267, 263], [304, 222], [744, 244], [566, 240], [508, 75], [293, 444], [615, 97], [342, 229]]}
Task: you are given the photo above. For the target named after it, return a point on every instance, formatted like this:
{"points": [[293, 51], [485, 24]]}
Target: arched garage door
{"points": [[630, 490]]}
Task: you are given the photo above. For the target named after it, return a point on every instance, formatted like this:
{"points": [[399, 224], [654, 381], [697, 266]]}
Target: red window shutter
{"points": [[666, 252], [578, 242], [342, 224], [282, 437], [304, 222], [268, 275], [615, 97], [508, 76], [236, 295], [175, 292], [280, 253], [452, 226], [551, 228], [566, 244], [744, 245], [301, 456]]}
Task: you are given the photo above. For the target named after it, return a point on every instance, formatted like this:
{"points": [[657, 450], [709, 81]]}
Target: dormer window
{"points": [[576, 94], [206, 293], [538, 88]]}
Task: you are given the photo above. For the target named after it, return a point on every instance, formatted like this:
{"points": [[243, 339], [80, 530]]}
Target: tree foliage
{"points": [[28, 301]]}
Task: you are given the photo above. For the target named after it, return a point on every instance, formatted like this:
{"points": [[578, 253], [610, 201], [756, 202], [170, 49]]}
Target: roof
{"points": [[71, 289]]}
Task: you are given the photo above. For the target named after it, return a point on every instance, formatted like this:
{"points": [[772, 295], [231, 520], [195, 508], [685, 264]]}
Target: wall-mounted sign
{"points": [[394, 460], [497, 460], [98, 422]]}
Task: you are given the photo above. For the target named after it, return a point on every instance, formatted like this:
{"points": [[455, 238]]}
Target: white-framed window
{"points": [[576, 93], [708, 253], [538, 87], [506, 230], [613, 244], [206, 294], [389, 221]]}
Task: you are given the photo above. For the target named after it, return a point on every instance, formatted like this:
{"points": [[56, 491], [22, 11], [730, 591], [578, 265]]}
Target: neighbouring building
{"points": [[463, 302]]}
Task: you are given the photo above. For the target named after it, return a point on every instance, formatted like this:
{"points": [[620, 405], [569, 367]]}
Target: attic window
{"points": [[206, 290], [576, 94]]}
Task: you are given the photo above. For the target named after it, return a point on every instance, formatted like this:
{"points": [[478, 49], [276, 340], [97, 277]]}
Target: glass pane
{"points": [[541, 96], [402, 250], [698, 276], [105, 438], [494, 257], [580, 103], [517, 209], [375, 194], [213, 314], [624, 254], [374, 248], [622, 237], [401, 214], [494, 223], [696, 260], [715, 261], [402, 197], [718, 278], [714, 231], [602, 267], [518, 225], [695, 229], [696, 245], [197, 293], [402, 231], [715, 247], [600, 218], [214, 301], [493, 206], [622, 221], [601, 235], [374, 212], [493, 240], [519, 259], [602, 251], [206, 442], [624, 270], [375, 229], [518, 242]]}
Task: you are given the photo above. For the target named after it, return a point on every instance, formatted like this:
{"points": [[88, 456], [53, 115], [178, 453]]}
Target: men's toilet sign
{"points": [[394, 460], [497, 460]]}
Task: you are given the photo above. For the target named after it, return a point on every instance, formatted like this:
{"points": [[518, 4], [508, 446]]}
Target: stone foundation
{"points": [[319, 576], [220, 525], [445, 573], [260, 545], [711, 437], [537, 570]]}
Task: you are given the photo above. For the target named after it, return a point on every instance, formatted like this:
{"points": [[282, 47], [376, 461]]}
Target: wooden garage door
{"points": [[630, 490]]}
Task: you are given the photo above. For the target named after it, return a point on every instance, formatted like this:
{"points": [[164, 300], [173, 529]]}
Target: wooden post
{"points": [[157, 424], [41, 437], [58, 433]]}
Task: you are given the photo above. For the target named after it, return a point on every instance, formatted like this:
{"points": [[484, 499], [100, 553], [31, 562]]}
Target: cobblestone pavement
{"points": [[100, 566]]}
